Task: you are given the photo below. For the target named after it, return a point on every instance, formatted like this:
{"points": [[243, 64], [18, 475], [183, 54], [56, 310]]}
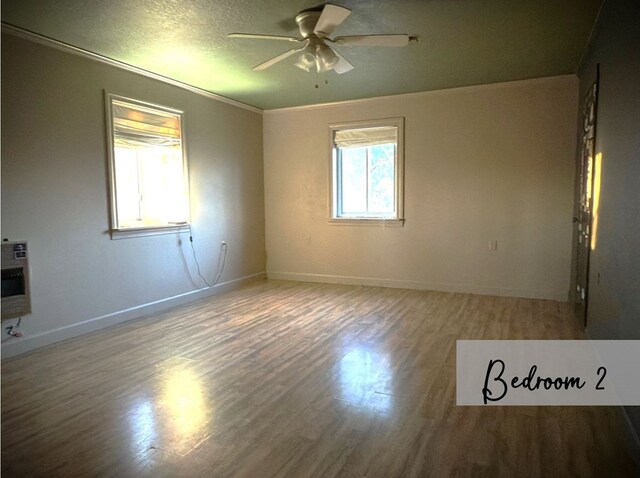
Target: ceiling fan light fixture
{"points": [[326, 56], [306, 61], [307, 57], [317, 56]]}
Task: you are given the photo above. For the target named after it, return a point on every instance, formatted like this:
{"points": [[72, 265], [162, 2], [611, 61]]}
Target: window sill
{"points": [[363, 221], [148, 231]]}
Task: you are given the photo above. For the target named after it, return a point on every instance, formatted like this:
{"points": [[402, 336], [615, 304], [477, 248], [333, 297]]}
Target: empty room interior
{"points": [[254, 239]]}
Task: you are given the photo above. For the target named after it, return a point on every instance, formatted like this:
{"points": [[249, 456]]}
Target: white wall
{"points": [[484, 163], [54, 194]]}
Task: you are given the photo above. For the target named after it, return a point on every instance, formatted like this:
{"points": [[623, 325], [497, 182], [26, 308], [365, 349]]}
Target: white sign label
{"points": [[548, 372]]}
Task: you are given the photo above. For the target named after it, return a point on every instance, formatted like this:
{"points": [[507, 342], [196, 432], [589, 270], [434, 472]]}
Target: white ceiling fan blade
{"points": [[342, 66], [263, 37], [330, 18], [276, 59], [373, 40]]}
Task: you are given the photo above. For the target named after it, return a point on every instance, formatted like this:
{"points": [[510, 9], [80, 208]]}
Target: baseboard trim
{"points": [[21, 345], [419, 285]]}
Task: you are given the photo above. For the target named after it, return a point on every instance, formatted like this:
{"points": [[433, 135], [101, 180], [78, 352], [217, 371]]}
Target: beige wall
{"points": [[54, 194], [483, 163]]}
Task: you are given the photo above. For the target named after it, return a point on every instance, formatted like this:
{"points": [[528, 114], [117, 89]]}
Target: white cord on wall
{"points": [[222, 257]]}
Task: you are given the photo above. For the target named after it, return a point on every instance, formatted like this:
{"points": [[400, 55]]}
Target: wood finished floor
{"points": [[301, 380]]}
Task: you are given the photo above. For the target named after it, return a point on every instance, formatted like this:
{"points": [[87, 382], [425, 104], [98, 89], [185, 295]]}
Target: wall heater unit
{"points": [[16, 300]]}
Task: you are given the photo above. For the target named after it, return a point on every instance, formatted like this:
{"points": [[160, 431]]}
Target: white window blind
{"points": [[352, 138], [139, 127]]}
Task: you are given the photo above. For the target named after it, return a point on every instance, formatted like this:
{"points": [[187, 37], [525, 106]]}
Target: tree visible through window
{"points": [[368, 185], [149, 183], [367, 171]]}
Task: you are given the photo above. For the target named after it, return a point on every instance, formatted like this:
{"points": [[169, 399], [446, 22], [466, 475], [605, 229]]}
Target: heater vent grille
{"points": [[16, 297]]}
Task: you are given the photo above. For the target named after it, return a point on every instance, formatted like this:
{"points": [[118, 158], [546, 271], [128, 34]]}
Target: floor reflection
{"points": [[175, 419], [366, 380], [143, 426], [182, 402]]}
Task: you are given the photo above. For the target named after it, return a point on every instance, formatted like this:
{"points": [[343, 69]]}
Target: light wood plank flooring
{"points": [[302, 380]]}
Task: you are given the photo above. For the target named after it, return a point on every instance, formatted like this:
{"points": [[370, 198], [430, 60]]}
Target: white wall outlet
{"points": [[308, 240], [493, 245]]}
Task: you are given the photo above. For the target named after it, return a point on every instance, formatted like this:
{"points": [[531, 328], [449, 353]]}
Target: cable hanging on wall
{"points": [[222, 260]]}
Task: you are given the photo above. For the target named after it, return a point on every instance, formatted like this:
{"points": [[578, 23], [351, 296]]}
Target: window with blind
{"points": [[148, 167], [367, 172]]}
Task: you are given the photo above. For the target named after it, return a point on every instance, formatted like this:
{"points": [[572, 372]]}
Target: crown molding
{"points": [[58, 45]]}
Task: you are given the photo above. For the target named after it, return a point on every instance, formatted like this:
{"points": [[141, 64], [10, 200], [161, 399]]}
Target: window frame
{"points": [[334, 175], [115, 231]]}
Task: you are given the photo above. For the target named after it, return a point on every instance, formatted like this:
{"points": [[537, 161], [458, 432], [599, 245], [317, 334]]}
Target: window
{"points": [[366, 172], [148, 167]]}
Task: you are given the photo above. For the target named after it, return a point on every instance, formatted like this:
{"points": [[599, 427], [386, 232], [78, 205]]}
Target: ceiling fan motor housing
{"points": [[307, 21]]}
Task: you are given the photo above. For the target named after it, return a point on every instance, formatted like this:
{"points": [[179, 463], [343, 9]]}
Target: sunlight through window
{"points": [[596, 200], [149, 181]]}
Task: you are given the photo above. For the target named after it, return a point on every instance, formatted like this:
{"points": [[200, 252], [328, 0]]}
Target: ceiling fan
{"points": [[315, 53]]}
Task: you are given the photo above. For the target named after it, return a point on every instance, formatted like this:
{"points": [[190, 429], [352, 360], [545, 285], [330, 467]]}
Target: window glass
{"points": [[354, 180]]}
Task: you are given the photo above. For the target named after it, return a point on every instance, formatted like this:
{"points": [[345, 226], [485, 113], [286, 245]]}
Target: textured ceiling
{"points": [[462, 42]]}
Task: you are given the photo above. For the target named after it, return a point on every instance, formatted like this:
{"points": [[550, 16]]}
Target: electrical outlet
{"points": [[308, 240], [493, 245]]}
